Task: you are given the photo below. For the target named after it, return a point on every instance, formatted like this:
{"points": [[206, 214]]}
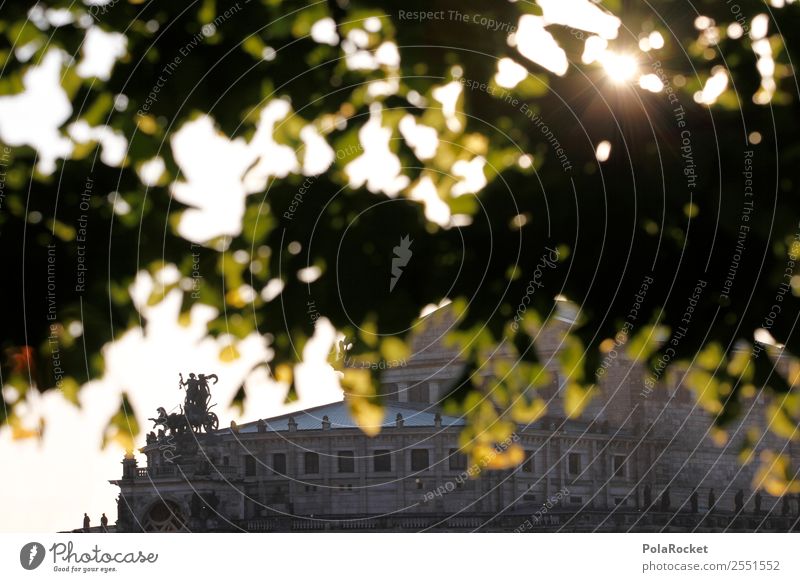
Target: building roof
{"points": [[414, 415]]}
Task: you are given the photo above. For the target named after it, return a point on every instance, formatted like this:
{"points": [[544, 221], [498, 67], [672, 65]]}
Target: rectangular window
{"points": [[382, 461], [419, 459], [279, 463], [457, 460], [527, 464], [311, 463], [575, 500], [249, 466], [619, 465], [574, 463], [347, 463], [419, 393]]}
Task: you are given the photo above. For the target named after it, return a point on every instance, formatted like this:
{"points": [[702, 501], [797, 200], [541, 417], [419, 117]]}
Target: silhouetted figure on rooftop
{"points": [[195, 407], [192, 390], [104, 522], [86, 522], [204, 392]]}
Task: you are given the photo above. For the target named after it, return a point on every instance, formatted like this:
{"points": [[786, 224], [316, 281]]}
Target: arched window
{"points": [[164, 516]]}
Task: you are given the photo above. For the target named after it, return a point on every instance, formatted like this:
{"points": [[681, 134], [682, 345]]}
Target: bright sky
{"points": [[54, 480]]}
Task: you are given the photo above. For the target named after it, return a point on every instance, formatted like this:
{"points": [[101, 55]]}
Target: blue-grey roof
{"points": [[339, 416]]}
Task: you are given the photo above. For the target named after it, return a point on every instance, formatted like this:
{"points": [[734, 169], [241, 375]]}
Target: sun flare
{"points": [[620, 68]]}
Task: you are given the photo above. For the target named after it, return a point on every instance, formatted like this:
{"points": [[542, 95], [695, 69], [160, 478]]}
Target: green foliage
{"points": [[615, 224]]}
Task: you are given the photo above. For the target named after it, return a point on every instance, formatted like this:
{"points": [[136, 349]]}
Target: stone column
{"points": [[363, 467], [546, 467]]}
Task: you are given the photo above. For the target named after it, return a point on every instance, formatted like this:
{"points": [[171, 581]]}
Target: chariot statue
{"points": [[195, 415]]}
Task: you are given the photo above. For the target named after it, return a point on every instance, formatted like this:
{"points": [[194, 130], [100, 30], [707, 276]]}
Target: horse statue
{"points": [[175, 423]]}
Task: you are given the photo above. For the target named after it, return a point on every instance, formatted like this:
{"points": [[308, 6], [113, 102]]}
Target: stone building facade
{"points": [[635, 460]]}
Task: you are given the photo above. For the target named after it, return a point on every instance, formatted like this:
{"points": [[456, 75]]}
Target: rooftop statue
{"points": [[195, 414]]}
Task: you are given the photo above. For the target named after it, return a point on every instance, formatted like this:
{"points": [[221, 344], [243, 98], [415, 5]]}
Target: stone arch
{"points": [[164, 516]]}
